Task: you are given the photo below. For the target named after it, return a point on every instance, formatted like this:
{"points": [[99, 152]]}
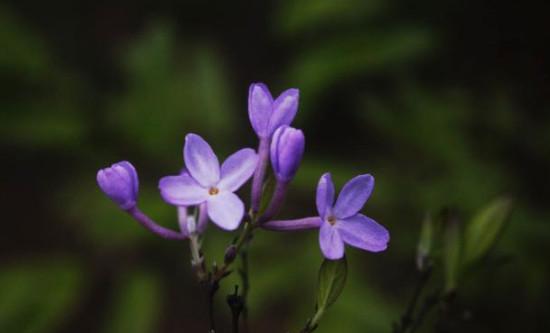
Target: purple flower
{"points": [[341, 223], [206, 182], [287, 149], [266, 114], [120, 183]]}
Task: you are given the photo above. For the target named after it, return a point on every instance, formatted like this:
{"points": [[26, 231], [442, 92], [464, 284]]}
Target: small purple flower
{"points": [[120, 183], [287, 149], [206, 183], [266, 114], [341, 223]]}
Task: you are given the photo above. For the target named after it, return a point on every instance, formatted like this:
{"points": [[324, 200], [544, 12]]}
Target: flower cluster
{"points": [[210, 188]]}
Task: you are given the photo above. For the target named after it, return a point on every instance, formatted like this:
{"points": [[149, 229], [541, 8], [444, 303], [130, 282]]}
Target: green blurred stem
{"points": [[407, 319], [312, 324], [430, 301]]}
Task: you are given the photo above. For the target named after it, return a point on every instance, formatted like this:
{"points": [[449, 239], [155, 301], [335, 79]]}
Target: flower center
{"points": [[332, 220], [213, 191]]}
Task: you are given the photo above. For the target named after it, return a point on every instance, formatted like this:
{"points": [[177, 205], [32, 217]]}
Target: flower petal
{"points": [[200, 160], [364, 233], [325, 195], [353, 196], [298, 224], [132, 172], [237, 169], [284, 109], [226, 210], [182, 190], [330, 241], [260, 104]]}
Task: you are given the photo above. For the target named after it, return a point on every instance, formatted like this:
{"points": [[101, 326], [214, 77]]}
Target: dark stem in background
{"points": [[236, 304], [211, 290], [430, 301], [407, 320], [243, 272], [220, 273]]}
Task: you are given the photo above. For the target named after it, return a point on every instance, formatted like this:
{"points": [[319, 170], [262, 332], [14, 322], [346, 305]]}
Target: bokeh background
{"points": [[445, 103]]}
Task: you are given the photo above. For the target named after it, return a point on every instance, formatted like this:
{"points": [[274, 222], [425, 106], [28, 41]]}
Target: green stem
{"points": [[407, 319], [312, 324], [243, 239], [197, 259]]}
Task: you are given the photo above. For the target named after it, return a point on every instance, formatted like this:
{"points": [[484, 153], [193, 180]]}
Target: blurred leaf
{"points": [[355, 55], [38, 296], [452, 249], [425, 242], [43, 129], [104, 224], [332, 278], [137, 305], [297, 16], [40, 103], [169, 93], [363, 307], [483, 230], [23, 51]]}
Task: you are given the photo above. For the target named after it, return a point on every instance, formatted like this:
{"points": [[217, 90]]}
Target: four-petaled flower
{"points": [[266, 114], [205, 182], [341, 223]]}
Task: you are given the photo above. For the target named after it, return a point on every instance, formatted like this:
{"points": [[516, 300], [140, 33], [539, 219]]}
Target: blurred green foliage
{"points": [[376, 97]]}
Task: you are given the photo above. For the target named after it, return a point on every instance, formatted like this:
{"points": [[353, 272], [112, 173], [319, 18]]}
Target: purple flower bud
{"points": [[120, 183], [267, 114], [287, 149]]}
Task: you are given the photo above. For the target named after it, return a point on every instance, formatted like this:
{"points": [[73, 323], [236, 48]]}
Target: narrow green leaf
{"points": [[483, 230], [452, 250], [425, 242], [332, 278]]}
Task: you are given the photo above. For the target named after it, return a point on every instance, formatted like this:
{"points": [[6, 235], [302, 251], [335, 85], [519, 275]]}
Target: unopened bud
{"points": [[230, 254]]}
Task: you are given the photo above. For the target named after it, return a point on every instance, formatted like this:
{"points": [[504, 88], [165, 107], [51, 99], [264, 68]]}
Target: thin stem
{"points": [[197, 259], [313, 323], [276, 202], [246, 283], [428, 304], [259, 175], [152, 226], [239, 243], [211, 290], [236, 304]]}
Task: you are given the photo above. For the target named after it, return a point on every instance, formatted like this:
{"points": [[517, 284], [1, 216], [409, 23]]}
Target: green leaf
{"points": [[452, 250], [483, 230], [332, 278], [137, 305], [38, 296], [425, 242], [296, 17]]}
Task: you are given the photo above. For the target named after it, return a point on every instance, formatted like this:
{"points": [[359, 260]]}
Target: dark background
{"points": [[445, 103]]}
